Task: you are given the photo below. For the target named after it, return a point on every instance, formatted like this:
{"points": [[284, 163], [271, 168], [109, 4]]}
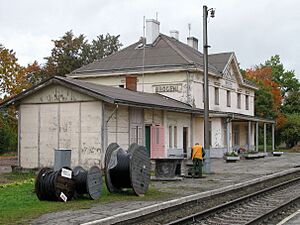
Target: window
{"points": [[236, 135], [239, 100], [202, 92], [228, 99], [137, 135], [216, 96], [170, 136], [175, 137], [247, 102]]}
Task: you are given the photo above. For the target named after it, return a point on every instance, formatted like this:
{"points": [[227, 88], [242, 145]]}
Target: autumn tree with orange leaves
{"points": [[268, 96], [278, 98]]}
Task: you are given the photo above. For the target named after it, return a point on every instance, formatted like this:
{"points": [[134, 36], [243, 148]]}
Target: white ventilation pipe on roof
{"points": [[174, 34], [152, 31]]}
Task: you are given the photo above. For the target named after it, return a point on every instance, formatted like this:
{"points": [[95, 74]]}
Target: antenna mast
{"points": [[144, 52]]}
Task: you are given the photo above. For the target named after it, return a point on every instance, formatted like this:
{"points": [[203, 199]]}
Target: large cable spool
{"points": [[88, 182], [55, 185], [127, 169]]}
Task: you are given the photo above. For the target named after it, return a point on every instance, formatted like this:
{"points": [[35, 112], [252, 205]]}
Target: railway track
{"points": [[255, 208], [245, 204]]}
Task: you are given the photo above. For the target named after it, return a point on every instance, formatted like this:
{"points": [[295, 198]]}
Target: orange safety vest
{"points": [[197, 152]]}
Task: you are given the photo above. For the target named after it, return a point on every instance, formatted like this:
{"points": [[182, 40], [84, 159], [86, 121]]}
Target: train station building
{"points": [[150, 93]]}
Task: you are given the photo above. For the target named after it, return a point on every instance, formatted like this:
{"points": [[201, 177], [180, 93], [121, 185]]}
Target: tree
{"points": [[8, 132], [290, 132], [291, 103], [268, 95], [286, 80], [12, 75], [71, 52], [104, 46], [66, 55], [35, 73], [13, 80]]}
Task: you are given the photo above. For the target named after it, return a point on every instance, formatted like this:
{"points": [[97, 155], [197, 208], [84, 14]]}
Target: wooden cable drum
{"points": [[55, 185], [127, 169], [88, 182]]}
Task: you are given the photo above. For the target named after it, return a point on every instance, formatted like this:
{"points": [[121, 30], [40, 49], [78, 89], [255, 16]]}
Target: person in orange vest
{"points": [[197, 157]]}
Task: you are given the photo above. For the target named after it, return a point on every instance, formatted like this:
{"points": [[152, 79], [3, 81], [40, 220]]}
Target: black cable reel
{"points": [[55, 185], [127, 169], [88, 182]]}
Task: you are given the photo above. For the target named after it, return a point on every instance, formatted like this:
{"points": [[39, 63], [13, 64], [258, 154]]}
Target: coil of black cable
{"points": [[55, 185], [88, 182], [127, 169]]}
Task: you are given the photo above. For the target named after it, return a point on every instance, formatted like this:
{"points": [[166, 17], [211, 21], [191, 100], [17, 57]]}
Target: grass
{"points": [[19, 204], [8, 154]]}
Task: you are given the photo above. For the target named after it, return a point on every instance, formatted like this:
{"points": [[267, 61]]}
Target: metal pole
{"points": [[265, 137], [256, 136], [206, 93], [227, 134], [273, 137], [249, 135]]}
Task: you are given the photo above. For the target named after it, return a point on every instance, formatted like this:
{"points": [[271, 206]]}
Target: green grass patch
{"points": [[17, 177], [19, 204], [7, 154]]}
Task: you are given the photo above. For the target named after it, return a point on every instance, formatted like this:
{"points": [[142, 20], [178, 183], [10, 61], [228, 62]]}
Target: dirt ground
{"points": [[5, 166]]}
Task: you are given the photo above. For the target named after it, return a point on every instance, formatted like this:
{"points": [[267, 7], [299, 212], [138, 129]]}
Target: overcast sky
{"points": [[255, 30]]}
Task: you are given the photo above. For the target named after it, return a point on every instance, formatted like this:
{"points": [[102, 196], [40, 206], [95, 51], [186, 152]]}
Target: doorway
{"points": [[185, 141], [147, 139]]}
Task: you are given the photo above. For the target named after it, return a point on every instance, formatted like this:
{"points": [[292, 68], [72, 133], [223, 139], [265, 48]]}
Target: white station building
{"points": [[151, 93]]}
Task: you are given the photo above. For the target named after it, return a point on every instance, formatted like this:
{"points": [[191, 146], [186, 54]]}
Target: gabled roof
{"points": [[223, 60], [109, 94], [220, 60], [166, 52]]}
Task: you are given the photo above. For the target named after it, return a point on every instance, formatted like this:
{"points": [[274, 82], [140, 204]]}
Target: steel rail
{"points": [[221, 207]]}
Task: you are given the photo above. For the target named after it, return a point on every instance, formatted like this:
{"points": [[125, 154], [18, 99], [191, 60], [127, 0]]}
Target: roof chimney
{"points": [[193, 42], [174, 34], [152, 30], [131, 82]]}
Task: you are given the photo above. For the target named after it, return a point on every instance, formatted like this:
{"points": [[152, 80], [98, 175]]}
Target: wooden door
{"points": [[157, 136]]}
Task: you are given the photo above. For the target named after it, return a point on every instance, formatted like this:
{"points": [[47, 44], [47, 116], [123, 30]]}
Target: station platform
{"points": [[293, 219], [223, 176]]}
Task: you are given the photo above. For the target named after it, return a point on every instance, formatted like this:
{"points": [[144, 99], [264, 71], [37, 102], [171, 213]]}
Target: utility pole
{"points": [[206, 86]]}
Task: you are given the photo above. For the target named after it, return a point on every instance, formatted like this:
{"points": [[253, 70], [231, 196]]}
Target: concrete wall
{"points": [[179, 120], [198, 130], [69, 120], [117, 125], [153, 117]]}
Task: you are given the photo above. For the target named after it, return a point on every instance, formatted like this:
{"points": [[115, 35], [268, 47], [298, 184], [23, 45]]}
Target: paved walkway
{"points": [[223, 175]]}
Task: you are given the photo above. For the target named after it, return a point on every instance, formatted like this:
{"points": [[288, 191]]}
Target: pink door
{"points": [[157, 136]]}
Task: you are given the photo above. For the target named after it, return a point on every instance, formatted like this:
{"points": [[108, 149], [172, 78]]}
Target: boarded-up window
{"points": [[238, 100], [216, 96], [170, 136], [175, 137], [247, 102], [228, 99]]}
